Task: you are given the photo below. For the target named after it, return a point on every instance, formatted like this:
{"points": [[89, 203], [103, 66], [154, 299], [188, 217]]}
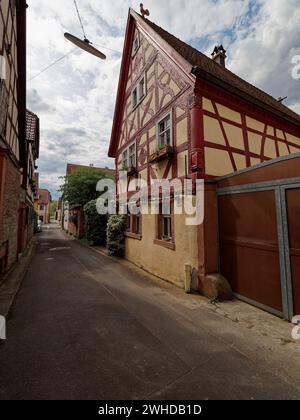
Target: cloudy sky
{"points": [[75, 98]]}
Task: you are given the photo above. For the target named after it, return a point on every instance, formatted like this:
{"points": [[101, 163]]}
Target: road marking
{"points": [[2, 328], [60, 249]]}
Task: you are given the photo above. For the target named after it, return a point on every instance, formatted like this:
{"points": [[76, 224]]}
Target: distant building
{"points": [[44, 208], [19, 137], [73, 216]]}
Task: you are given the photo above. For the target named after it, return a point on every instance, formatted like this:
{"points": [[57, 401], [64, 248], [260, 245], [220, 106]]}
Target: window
{"points": [[134, 226], [137, 224], [128, 223], [139, 92], [136, 44], [132, 156], [165, 228], [3, 107], [125, 159], [135, 97], [129, 157], [165, 132], [42, 207], [141, 88]]}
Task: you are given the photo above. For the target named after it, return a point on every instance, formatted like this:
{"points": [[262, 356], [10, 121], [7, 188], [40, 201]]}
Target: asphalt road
{"points": [[85, 326]]}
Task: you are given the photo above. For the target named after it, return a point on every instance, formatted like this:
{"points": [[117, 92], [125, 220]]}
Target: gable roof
{"points": [[197, 64], [71, 168], [200, 62]]}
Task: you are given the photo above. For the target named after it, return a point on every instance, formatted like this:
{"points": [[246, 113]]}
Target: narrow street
{"points": [[85, 326]]}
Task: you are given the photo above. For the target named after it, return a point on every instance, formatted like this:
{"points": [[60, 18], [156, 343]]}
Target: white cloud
{"points": [[75, 98]]}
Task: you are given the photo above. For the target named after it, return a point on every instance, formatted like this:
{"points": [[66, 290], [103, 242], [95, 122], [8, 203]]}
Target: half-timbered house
{"points": [[181, 114], [18, 146]]}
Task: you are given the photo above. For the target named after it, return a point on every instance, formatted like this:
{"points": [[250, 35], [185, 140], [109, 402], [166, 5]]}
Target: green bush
{"points": [[115, 235], [96, 224]]}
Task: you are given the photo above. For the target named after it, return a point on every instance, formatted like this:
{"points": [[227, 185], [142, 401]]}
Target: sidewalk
{"points": [[12, 280]]}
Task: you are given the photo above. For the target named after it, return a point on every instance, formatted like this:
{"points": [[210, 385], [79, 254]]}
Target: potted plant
{"points": [[162, 152]]}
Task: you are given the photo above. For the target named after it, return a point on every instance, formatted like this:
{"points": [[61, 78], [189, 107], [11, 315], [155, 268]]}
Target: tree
{"points": [[96, 224], [79, 187]]}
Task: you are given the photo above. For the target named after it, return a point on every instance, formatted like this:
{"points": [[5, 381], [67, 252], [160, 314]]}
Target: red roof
{"points": [[200, 60], [72, 168], [193, 62]]}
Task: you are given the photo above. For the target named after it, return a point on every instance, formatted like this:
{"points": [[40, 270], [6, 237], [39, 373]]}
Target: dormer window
{"points": [[139, 92], [136, 44]]}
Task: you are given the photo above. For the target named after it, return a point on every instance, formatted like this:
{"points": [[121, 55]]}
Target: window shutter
{"points": [[3, 107]]}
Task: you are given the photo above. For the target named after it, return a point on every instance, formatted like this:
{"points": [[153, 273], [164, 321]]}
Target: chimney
{"points": [[219, 55]]}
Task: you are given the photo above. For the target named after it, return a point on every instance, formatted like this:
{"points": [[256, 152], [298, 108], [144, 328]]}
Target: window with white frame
{"points": [[129, 157], [136, 44], [125, 159], [139, 92], [164, 132], [132, 156]]}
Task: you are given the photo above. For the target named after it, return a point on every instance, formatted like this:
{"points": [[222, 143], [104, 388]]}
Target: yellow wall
{"points": [[162, 262], [260, 137]]}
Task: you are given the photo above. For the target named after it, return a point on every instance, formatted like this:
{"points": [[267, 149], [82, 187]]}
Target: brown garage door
{"points": [[293, 216], [249, 251]]}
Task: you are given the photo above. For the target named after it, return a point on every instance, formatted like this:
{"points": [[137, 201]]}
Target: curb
{"points": [[12, 281]]}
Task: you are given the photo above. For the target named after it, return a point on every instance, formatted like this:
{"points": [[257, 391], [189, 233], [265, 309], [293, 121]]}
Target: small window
{"points": [[137, 224], [165, 225], [164, 132], [141, 89], [128, 224], [132, 156], [134, 97], [125, 159], [139, 92], [136, 44], [167, 228]]}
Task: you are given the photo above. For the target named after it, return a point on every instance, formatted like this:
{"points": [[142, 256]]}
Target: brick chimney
{"points": [[219, 55]]}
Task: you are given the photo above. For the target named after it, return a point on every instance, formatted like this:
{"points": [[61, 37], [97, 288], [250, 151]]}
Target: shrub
{"points": [[115, 235], [96, 224]]}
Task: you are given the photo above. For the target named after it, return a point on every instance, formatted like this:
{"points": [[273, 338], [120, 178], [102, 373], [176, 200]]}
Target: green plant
{"points": [[96, 224], [115, 235], [80, 187]]}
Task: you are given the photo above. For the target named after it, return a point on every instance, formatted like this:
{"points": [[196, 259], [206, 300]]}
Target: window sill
{"points": [[166, 244], [135, 236]]}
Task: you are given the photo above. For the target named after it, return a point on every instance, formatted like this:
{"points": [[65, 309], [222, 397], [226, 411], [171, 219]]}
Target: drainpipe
{"points": [[188, 278], [198, 166]]}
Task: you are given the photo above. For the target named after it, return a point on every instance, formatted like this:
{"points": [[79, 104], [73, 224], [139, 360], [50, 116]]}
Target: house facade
{"points": [[17, 153], [44, 205], [182, 115]]}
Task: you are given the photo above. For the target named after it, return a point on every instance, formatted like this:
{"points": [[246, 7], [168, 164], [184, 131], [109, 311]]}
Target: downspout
{"points": [[198, 168]]}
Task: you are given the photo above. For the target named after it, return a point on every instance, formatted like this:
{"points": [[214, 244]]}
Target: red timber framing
{"points": [[194, 87]]}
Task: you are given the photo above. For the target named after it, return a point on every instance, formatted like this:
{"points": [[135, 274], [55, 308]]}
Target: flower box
{"points": [[162, 154]]}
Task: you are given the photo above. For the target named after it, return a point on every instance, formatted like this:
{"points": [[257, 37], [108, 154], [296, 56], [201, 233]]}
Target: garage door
{"points": [[293, 219], [249, 247]]}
